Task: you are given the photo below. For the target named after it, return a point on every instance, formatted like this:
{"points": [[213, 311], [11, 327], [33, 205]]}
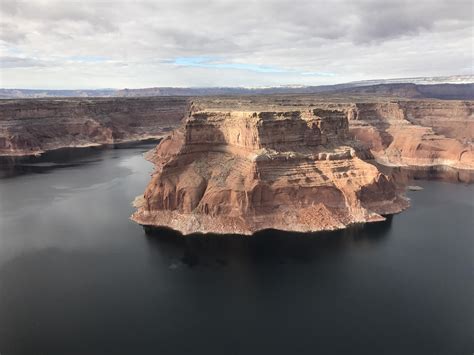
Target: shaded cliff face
{"points": [[416, 133], [448, 88], [244, 171], [37, 125]]}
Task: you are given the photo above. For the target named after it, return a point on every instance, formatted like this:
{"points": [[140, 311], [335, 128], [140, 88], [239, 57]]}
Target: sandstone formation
{"points": [[32, 126], [240, 171], [407, 133], [397, 132], [416, 133]]}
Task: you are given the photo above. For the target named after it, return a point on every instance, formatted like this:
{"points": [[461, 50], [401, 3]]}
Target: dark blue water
{"points": [[77, 277]]}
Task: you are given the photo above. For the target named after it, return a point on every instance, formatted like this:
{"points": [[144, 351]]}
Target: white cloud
{"points": [[93, 44]]}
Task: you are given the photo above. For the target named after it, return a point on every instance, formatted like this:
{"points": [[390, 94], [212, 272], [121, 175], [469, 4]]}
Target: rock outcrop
{"points": [[406, 133], [240, 171], [416, 133], [32, 126]]}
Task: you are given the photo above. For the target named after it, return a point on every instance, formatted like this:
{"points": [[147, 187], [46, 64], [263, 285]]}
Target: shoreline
{"points": [[151, 230], [39, 153]]}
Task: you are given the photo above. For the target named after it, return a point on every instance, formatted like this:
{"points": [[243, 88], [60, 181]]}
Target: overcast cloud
{"points": [[97, 44]]}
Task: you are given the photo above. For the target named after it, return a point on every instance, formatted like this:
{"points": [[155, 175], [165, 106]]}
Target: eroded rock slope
{"points": [[240, 171], [423, 133], [398, 132], [32, 126]]}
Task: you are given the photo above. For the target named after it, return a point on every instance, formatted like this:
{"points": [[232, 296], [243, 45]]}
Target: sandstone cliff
{"points": [[408, 133], [242, 171], [416, 133], [32, 126]]}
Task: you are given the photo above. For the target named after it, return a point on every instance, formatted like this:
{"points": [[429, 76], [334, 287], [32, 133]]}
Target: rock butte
{"points": [[240, 171]]}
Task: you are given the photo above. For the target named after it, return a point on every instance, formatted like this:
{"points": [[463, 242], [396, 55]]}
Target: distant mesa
{"points": [[456, 87]]}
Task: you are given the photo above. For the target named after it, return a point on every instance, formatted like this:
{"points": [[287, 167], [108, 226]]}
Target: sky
{"points": [[61, 44]]}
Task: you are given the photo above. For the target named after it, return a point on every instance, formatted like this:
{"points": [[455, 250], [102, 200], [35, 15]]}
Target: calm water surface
{"points": [[77, 277]]}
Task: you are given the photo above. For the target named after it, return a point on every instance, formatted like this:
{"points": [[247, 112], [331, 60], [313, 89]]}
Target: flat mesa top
{"points": [[305, 113]]}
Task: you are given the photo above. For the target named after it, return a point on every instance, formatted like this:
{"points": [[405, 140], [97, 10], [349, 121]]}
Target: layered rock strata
{"points": [[32, 126], [244, 171], [416, 133], [407, 133]]}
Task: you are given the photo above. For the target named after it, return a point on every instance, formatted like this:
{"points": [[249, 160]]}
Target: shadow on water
{"points": [[63, 158], [268, 246]]}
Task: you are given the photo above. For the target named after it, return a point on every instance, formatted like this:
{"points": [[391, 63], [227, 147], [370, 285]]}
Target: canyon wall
{"points": [[241, 171], [32, 126], [409, 133], [421, 133]]}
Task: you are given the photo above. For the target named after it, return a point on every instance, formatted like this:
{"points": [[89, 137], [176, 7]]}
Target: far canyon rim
{"points": [[398, 131], [242, 163]]}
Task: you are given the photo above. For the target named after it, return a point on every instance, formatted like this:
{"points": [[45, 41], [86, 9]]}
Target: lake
{"points": [[78, 277]]}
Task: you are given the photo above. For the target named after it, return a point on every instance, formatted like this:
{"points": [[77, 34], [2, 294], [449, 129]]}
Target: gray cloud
{"points": [[355, 39], [381, 20], [11, 33], [18, 62]]}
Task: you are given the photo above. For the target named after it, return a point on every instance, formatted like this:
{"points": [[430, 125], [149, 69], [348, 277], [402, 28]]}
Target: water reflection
{"points": [[78, 277], [269, 246], [64, 158], [403, 176]]}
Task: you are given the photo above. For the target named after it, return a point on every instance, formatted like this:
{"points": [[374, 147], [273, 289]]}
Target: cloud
{"points": [[216, 63], [377, 20], [11, 33], [208, 62], [122, 43], [18, 62], [88, 59]]}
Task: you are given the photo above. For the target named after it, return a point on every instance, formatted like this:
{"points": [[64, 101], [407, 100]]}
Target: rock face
{"points": [[416, 133], [241, 171], [397, 132], [406, 133], [32, 126]]}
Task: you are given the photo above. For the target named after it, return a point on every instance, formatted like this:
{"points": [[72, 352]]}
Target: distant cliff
{"points": [[416, 133], [446, 91], [32, 126], [397, 132]]}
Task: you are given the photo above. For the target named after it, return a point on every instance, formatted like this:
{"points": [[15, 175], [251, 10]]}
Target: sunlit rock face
{"points": [[33, 126], [414, 133], [240, 171], [421, 133]]}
